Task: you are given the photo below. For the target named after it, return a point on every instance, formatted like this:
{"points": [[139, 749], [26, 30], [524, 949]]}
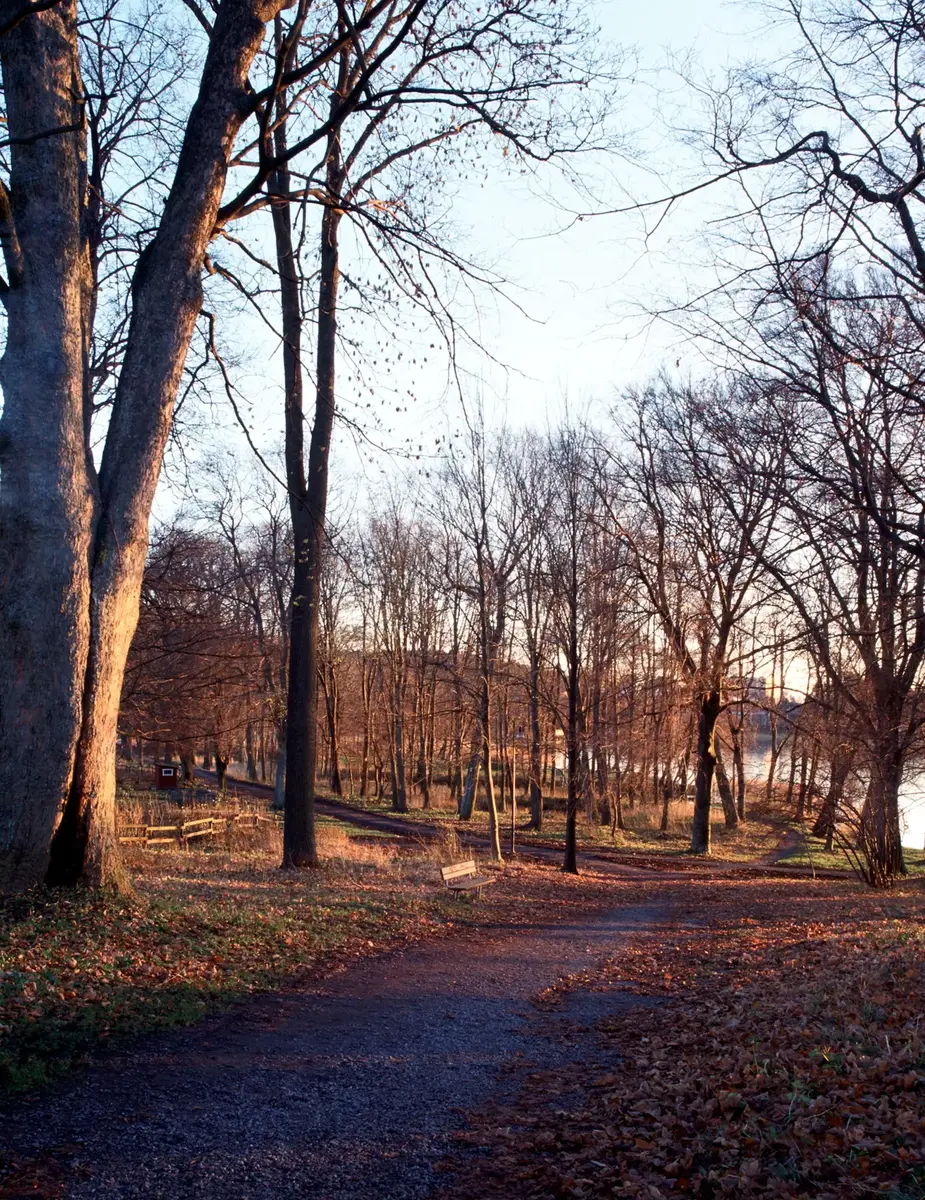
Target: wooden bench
{"points": [[464, 877]]}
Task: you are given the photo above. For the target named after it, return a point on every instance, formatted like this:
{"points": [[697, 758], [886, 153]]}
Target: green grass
{"points": [[811, 852], [79, 970], [752, 841], [755, 840], [351, 830]]}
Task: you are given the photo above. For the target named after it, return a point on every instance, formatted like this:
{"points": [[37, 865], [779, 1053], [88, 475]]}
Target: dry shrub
{"points": [[244, 851], [440, 798], [447, 848], [267, 838], [236, 842], [645, 820], [413, 861], [424, 863], [352, 855]]}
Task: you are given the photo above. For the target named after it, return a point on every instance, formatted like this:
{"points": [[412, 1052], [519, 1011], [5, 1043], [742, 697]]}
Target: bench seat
{"points": [[463, 877]]}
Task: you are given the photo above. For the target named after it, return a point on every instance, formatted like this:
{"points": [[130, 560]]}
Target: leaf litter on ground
{"points": [[780, 1054], [82, 971]]}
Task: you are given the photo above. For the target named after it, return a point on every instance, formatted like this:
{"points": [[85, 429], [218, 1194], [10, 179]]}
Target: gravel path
{"points": [[347, 1092]]}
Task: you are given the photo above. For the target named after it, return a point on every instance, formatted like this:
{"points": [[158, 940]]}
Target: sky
{"points": [[576, 334]]}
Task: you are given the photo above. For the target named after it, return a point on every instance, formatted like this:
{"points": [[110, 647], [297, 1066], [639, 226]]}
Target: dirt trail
{"points": [[346, 1092], [611, 861]]}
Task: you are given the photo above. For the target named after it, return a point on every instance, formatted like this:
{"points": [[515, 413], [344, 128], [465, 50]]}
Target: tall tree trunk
{"points": [[456, 767], [882, 835], [617, 815], [308, 492], [423, 775], [890, 858], [738, 766], [263, 753], [332, 711], [797, 763], [573, 740], [366, 679], [279, 779], [706, 769], [536, 743], [399, 787], [776, 748], [48, 501], [839, 770], [730, 813], [249, 751], [494, 828], [501, 742], [73, 546], [471, 782]]}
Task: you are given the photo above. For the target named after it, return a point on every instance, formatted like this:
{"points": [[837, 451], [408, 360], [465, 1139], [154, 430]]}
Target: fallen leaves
{"points": [[784, 1058], [79, 971]]}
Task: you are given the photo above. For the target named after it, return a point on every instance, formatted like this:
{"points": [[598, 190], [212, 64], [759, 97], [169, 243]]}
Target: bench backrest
{"points": [[458, 870]]}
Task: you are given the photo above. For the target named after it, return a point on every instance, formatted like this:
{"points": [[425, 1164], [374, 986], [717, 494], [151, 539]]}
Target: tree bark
{"points": [[399, 787], [706, 768], [73, 545], [730, 814], [249, 751], [47, 496], [471, 782], [536, 742], [308, 493], [880, 830], [738, 766], [332, 710], [279, 779], [827, 820], [366, 685], [494, 829], [573, 740]]}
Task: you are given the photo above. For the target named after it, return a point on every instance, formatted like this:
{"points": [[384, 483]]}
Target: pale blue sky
{"points": [[581, 337]]}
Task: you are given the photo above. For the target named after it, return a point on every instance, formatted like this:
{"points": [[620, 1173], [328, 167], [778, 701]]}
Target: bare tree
{"points": [[479, 504], [74, 538], [683, 537], [570, 535], [535, 482], [850, 436]]}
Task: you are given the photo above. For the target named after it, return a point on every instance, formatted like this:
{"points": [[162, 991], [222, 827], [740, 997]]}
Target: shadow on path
{"points": [[345, 1092]]}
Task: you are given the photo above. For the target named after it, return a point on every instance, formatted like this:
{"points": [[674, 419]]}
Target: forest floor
{"points": [[204, 928], [345, 1084], [783, 1056], [647, 1035], [769, 835], [687, 1030]]}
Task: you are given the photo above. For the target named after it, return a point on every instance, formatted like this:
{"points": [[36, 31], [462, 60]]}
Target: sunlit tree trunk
{"points": [[73, 545]]}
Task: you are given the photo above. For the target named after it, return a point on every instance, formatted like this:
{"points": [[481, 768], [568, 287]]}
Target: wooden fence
{"points": [[190, 831]]}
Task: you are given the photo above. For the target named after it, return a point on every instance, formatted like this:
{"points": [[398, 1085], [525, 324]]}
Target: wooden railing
{"points": [[189, 831]]}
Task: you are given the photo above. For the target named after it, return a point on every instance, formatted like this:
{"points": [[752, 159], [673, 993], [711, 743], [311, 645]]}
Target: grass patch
{"points": [[811, 852], [206, 927], [211, 925], [751, 841], [762, 837]]}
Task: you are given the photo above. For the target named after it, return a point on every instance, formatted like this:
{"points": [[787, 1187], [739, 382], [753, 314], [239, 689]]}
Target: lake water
{"points": [[911, 799]]}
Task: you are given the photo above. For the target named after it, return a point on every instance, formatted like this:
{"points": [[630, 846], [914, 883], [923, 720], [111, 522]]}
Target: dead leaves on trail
{"points": [[784, 1058], [82, 971]]}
